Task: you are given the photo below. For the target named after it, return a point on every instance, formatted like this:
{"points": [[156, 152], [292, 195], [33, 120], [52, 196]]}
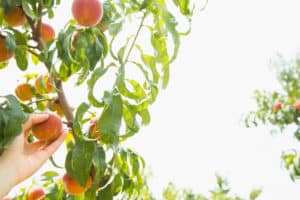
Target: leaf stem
{"points": [[135, 38], [32, 52], [40, 100]]}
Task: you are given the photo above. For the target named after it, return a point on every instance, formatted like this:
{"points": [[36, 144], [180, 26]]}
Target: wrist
{"points": [[7, 175]]}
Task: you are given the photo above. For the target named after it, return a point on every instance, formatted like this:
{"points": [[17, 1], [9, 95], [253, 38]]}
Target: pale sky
{"points": [[196, 129]]}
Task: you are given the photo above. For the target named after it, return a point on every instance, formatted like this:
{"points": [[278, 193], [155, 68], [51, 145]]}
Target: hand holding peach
{"points": [[14, 165]]}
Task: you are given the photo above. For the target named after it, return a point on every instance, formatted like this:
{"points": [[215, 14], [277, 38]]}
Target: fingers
{"points": [[46, 152], [34, 119]]}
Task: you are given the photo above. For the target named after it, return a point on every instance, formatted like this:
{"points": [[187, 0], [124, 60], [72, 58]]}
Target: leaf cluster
{"points": [[222, 192], [11, 119], [140, 61], [285, 118]]}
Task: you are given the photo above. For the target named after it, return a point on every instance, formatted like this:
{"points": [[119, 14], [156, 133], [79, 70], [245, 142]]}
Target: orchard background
{"points": [[197, 126]]}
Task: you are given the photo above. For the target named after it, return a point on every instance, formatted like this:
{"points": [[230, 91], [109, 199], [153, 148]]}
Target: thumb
{"points": [[34, 119]]}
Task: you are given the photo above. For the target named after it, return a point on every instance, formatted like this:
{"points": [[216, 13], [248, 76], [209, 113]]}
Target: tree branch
{"points": [[68, 111], [36, 27]]}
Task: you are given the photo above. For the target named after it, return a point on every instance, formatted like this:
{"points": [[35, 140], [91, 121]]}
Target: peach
{"points": [[4, 53], [15, 17], [73, 187], [297, 105], [56, 107], [24, 91], [48, 130], [277, 106], [87, 12], [43, 84], [47, 32], [36, 193]]}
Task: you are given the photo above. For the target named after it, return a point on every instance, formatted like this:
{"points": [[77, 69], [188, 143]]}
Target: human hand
{"points": [[22, 159]]}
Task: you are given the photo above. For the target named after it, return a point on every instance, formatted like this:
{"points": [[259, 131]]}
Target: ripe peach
{"points": [[15, 17], [36, 193], [55, 106], [47, 32], [4, 53], [48, 130], [24, 91], [277, 106], [43, 84], [73, 187], [297, 105], [87, 12], [93, 129]]}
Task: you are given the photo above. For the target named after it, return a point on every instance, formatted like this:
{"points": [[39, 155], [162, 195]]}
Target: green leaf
{"points": [[150, 62], [138, 93], [110, 120], [54, 163], [121, 53], [96, 75], [91, 193], [10, 42], [28, 11], [134, 161], [34, 59], [145, 115], [20, 38], [77, 129], [129, 115], [11, 119], [255, 193], [105, 193], [64, 50], [117, 184], [99, 162], [79, 161], [115, 28], [3, 65], [81, 110], [171, 25], [64, 72], [159, 44], [21, 58], [101, 41], [183, 6], [50, 174]]}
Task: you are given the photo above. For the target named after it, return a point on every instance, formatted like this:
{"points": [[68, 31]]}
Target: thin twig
{"points": [[40, 100], [32, 52], [135, 37]]}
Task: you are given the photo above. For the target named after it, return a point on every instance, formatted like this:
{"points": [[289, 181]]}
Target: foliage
{"points": [[122, 108], [222, 192], [286, 116], [10, 126], [171, 192]]}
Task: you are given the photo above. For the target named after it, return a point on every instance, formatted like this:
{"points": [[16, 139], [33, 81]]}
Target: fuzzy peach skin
{"points": [[87, 12]]}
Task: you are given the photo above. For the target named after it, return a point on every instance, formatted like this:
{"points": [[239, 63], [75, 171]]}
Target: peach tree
{"points": [[281, 110], [132, 42], [221, 192]]}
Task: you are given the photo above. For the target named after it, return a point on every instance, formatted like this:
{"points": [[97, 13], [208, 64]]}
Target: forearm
{"points": [[7, 176]]}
